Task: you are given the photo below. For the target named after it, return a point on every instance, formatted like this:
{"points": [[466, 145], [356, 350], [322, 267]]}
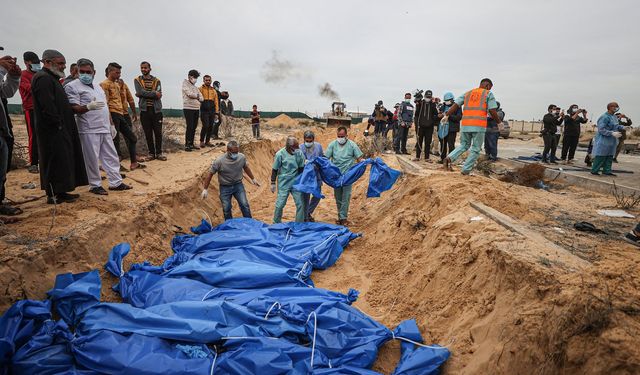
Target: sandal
{"points": [[139, 166]]}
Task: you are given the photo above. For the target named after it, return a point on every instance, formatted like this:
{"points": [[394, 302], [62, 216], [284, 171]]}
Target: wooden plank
{"points": [[551, 250]]}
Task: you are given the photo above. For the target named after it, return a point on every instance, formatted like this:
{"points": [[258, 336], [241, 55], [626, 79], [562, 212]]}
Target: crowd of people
{"points": [[74, 127]]}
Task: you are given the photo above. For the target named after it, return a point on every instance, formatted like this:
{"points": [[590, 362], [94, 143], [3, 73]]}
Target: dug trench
{"points": [[500, 301]]}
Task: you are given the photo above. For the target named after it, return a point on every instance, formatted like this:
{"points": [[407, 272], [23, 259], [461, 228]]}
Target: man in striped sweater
{"points": [[149, 94]]}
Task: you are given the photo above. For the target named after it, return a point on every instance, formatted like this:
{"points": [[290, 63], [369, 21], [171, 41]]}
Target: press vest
{"points": [[474, 112]]}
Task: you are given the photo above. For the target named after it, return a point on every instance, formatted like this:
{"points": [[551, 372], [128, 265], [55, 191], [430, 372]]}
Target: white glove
{"points": [[501, 126], [273, 188], [255, 182], [444, 119], [93, 105], [616, 134], [204, 194], [114, 132]]}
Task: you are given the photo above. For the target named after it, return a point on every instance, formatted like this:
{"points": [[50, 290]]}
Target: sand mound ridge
{"points": [[283, 120]]}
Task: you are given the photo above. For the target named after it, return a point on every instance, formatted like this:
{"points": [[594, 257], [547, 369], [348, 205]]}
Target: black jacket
{"points": [[572, 127], [60, 153], [550, 124], [426, 114], [454, 120]]}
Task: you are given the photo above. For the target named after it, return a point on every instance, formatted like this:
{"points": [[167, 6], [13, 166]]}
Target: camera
{"points": [[418, 95]]}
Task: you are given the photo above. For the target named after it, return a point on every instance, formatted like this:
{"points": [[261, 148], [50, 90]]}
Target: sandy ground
{"points": [[502, 302]]}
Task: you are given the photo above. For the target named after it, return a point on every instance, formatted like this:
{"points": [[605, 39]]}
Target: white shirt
{"points": [[91, 122]]}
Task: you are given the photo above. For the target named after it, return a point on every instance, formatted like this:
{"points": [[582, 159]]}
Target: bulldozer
{"points": [[338, 115]]}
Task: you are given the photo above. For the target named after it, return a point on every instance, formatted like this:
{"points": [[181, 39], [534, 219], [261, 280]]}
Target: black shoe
{"points": [[33, 169], [632, 239], [7, 210], [595, 173], [406, 152], [62, 198], [99, 190], [188, 148], [610, 174], [544, 161], [553, 162], [121, 187], [615, 160]]}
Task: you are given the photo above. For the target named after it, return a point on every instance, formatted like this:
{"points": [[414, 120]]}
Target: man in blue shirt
{"points": [[311, 150]]}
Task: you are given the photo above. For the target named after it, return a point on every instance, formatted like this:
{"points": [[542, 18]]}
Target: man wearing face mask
{"points": [[191, 99], [606, 140], [475, 105], [311, 150], [626, 122], [405, 120], [94, 127], [229, 168], [426, 120], [344, 153], [571, 134], [61, 163], [449, 141], [550, 123], [288, 163], [32, 62]]}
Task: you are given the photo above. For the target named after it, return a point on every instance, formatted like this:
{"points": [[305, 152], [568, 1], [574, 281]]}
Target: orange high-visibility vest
{"points": [[474, 112]]}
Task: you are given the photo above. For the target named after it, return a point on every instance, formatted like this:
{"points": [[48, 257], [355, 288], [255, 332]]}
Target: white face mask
{"points": [[193, 80], [448, 102], [308, 144], [342, 140]]}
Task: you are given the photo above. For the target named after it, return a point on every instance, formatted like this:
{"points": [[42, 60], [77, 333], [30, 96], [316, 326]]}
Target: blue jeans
{"points": [[491, 144], [237, 191]]}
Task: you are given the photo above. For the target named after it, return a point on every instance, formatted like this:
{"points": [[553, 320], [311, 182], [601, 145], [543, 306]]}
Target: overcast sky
{"points": [[536, 52]]}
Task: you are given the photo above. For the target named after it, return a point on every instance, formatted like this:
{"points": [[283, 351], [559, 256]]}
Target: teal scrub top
{"points": [[344, 157], [287, 166]]}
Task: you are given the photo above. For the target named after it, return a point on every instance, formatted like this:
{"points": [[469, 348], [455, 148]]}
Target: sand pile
{"points": [[282, 120]]}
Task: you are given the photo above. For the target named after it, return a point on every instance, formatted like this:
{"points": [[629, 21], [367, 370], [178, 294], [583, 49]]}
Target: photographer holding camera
{"points": [[571, 134], [624, 121], [379, 116], [550, 123]]}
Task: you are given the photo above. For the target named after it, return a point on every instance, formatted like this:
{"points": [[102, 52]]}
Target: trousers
{"points": [[569, 145], [343, 199], [98, 149], [191, 117], [237, 191], [448, 144], [469, 140], [425, 134], [33, 142], [491, 145], [281, 201], [550, 147], [124, 128], [604, 162], [152, 127]]}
